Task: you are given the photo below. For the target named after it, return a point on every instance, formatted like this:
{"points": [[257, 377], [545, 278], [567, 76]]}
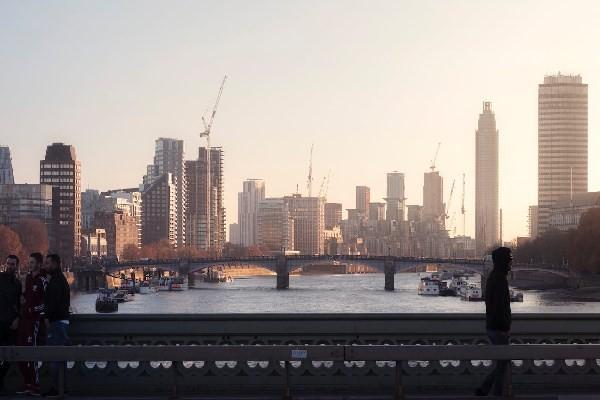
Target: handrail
{"points": [[287, 354], [300, 352]]}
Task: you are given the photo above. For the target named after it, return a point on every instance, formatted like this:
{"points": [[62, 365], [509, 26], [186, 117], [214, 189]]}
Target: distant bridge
{"points": [[283, 265]]}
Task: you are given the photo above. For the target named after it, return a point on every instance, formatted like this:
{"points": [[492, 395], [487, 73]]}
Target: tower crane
{"points": [[309, 180], [450, 199], [206, 133], [462, 207], [324, 186], [432, 167]]}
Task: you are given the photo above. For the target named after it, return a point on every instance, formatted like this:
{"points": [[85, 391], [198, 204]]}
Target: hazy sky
{"points": [[374, 84]]}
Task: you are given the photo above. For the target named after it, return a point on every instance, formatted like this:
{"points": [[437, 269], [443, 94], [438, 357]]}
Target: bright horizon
{"points": [[374, 85]]}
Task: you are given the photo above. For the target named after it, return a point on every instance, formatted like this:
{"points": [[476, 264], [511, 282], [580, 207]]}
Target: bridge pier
{"points": [[389, 271], [283, 274], [191, 280]]}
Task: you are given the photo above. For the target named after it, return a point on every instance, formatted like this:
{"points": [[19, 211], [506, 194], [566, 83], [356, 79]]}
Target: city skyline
{"points": [[342, 102]]}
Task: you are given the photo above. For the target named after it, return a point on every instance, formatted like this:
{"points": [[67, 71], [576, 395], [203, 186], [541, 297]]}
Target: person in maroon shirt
{"points": [[30, 323]]}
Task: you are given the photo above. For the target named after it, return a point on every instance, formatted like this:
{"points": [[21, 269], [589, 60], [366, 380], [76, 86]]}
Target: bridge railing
{"points": [[398, 354]]}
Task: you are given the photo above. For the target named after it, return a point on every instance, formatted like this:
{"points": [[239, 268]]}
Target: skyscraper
{"points": [[168, 159], [159, 215], [90, 203], [562, 141], [433, 197], [363, 198], [395, 196], [486, 181], [275, 226], [61, 169], [199, 207], [309, 223], [333, 215], [376, 211], [6, 170], [253, 193]]}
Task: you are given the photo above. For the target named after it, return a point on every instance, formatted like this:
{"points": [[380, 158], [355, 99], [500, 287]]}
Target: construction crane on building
{"points": [[450, 199], [452, 224], [206, 133], [432, 167], [462, 207], [309, 180], [325, 186]]}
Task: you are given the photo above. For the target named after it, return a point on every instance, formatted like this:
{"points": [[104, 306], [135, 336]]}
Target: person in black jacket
{"points": [[57, 301], [498, 317], [10, 303]]}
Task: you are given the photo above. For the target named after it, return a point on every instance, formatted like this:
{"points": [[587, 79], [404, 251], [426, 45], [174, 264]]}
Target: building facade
{"points": [[129, 201], [433, 197], [248, 200], [234, 234], [395, 196], [333, 215], [205, 209], [566, 212], [486, 181], [6, 170], [169, 159], [121, 230], [308, 214], [90, 203], [532, 222], [159, 215], [23, 201], [363, 198], [94, 244], [275, 226], [562, 142], [377, 212], [61, 169]]}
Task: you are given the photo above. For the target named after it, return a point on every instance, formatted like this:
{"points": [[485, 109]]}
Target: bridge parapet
{"points": [[553, 370]]}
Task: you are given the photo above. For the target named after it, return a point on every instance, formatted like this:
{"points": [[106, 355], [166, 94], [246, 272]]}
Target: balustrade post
{"points": [[389, 271], [287, 392], [398, 389], [283, 274]]}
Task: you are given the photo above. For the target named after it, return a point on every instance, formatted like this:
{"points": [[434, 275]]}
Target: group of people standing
{"points": [[34, 311]]}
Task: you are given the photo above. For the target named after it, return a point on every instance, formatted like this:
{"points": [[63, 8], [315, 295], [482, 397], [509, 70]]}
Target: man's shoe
{"points": [[34, 390], [52, 393], [480, 393], [24, 389]]}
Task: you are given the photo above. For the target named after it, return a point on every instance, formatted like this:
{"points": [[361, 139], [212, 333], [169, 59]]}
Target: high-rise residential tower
{"points": [[159, 211], [333, 215], [275, 226], [433, 197], [486, 181], [253, 193], [61, 169], [6, 169], [395, 197], [201, 233], [363, 198], [308, 214], [562, 141], [168, 159]]}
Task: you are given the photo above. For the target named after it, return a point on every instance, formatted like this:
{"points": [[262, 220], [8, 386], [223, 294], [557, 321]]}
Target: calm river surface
{"points": [[325, 294]]}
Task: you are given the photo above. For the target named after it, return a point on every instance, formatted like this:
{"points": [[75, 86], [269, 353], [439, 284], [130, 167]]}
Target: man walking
{"points": [[10, 302], [56, 314], [498, 317], [32, 313]]}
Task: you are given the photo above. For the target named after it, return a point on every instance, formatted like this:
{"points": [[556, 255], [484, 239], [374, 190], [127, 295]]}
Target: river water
{"points": [[325, 294]]}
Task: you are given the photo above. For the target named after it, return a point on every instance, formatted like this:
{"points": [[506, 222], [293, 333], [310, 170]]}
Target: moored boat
{"points": [[428, 287], [105, 302], [472, 293]]}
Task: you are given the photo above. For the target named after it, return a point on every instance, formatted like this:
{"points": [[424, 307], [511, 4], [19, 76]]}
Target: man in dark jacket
{"points": [[32, 314], [10, 302], [57, 301], [498, 316]]}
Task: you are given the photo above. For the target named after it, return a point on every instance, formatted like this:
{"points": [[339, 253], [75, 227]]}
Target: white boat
{"points": [[459, 285], [215, 276], [472, 293], [516, 297], [429, 287], [170, 284]]}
